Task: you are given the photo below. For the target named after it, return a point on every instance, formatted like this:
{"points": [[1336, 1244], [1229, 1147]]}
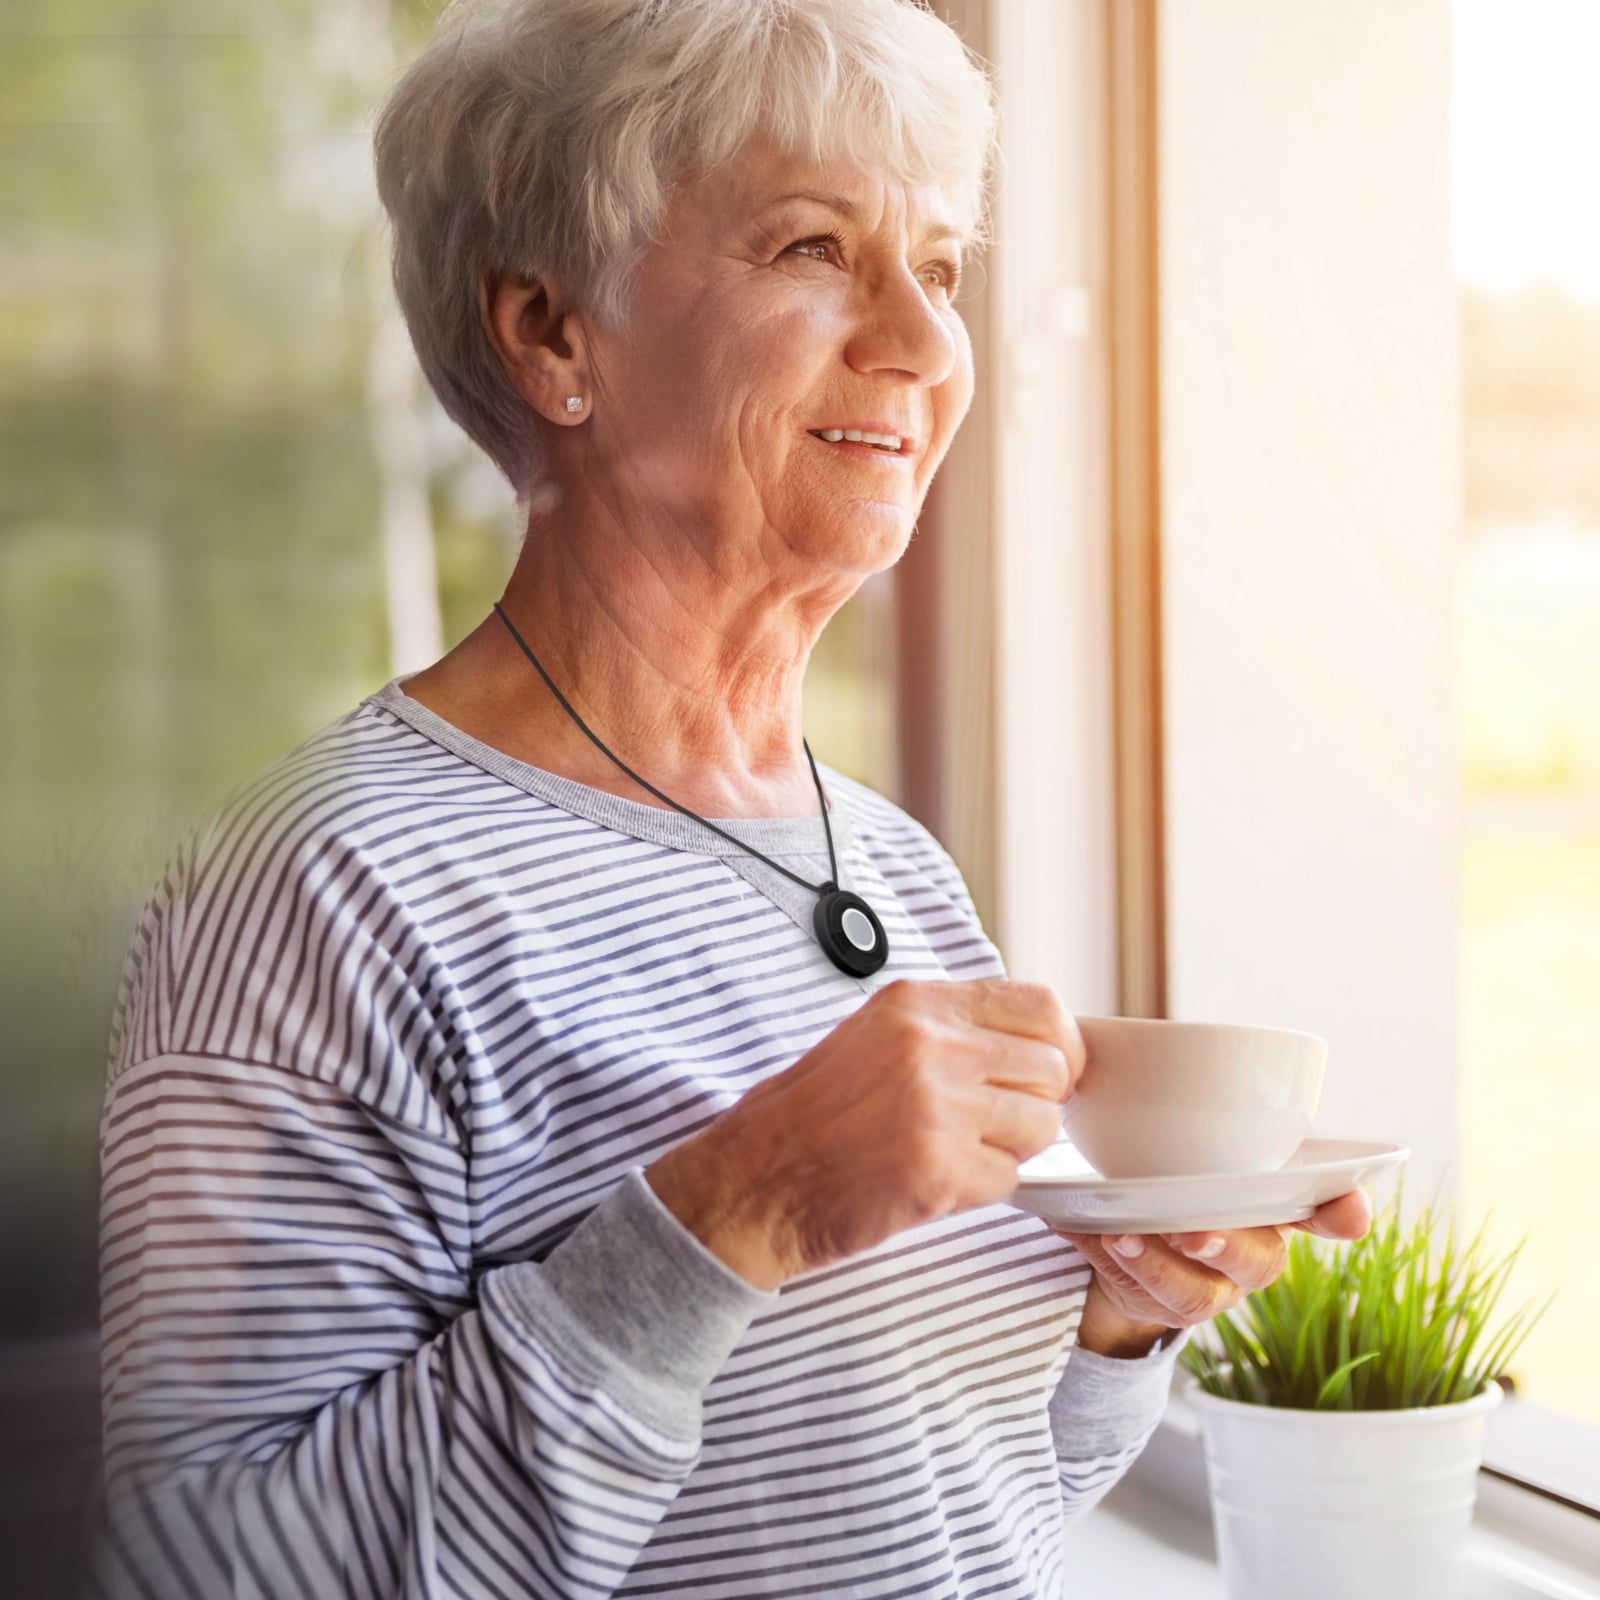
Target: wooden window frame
{"points": [[950, 585]]}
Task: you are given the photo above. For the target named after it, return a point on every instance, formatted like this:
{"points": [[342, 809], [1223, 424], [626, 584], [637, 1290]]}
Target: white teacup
{"points": [[1169, 1099]]}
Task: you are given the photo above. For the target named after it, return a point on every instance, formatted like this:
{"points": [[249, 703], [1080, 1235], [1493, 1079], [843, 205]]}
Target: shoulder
{"points": [[288, 930], [367, 799], [355, 778], [346, 807]]}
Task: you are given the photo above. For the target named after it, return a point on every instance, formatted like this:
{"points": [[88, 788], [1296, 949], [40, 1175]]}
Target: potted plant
{"points": [[1343, 1409]]}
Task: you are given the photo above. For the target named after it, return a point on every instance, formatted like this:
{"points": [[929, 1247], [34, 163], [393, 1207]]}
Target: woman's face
{"points": [[784, 302]]}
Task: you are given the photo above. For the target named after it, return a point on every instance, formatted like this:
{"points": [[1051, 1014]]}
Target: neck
{"points": [[686, 660]]}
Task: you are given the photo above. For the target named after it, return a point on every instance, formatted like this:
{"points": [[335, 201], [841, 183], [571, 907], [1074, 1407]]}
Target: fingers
{"points": [[1249, 1257], [1015, 1034], [1349, 1216], [1029, 1011], [1189, 1291], [1039, 1012], [1029, 1066], [1020, 1124], [1092, 1247], [1144, 1289], [1151, 1276], [988, 1176]]}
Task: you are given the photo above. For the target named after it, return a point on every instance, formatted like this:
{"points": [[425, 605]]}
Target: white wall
{"points": [[1311, 469]]}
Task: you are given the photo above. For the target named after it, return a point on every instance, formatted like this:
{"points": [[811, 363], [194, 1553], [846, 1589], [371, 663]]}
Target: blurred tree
{"points": [[228, 507], [217, 496]]}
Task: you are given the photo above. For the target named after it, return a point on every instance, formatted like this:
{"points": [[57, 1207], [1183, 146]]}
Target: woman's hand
{"points": [[922, 1103], [1146, 1284]]}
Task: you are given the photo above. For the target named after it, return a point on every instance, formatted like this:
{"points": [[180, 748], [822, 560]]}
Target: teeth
{"points": [[884, 441]]}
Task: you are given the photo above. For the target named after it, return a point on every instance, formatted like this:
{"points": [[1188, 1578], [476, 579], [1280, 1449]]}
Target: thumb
{"points": [[1349, 1216]]}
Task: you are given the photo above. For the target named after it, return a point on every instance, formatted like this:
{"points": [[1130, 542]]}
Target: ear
{"points": [[540, 340]]}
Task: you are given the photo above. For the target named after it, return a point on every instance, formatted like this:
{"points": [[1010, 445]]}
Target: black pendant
{"points": [[849, 931]]}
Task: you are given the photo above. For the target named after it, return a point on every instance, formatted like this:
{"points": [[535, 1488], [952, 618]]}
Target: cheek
{"points": [[774, 375], [736, 385]]}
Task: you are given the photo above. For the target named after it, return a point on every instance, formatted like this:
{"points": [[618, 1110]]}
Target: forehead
{"points": [[762, 182]]}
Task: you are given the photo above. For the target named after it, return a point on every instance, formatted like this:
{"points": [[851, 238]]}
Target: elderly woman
{"points": [[557, 1131]]}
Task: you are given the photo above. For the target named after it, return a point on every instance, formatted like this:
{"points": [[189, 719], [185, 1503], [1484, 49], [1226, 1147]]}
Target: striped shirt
{"points": [[387, 1306]]}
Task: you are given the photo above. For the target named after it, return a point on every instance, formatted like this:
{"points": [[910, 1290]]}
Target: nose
{"points": [[900, 332]]}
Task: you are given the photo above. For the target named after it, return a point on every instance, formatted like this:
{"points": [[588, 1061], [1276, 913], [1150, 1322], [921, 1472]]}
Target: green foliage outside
{"points": [[187, 582], [191, 577], [1530, 1083]]}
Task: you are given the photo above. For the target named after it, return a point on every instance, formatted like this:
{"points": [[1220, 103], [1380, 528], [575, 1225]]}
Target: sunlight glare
{"points": [[1526, 144]]}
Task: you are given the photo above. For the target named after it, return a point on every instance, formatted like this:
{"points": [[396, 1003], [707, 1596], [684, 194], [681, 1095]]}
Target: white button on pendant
{"points": [[857, 929]]}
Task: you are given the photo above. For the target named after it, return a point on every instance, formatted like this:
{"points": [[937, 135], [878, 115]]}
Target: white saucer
{"points": [[1060, 1186]]}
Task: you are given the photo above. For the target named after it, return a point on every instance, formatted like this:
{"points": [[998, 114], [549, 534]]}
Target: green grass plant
{"points": [[1403, 1317]]}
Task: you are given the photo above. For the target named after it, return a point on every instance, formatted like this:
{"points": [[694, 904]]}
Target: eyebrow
{"points": [[936, 232]]}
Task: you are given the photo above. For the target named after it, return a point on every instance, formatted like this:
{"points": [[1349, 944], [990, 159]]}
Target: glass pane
{"points": [[192, 502], [1527, 129], [189, 579]]}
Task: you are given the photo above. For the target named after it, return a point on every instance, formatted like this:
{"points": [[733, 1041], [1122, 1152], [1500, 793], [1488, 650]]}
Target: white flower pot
{"points": [[1343, 1505]]}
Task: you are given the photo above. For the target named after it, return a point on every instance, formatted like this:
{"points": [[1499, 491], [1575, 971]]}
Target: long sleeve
{"points": [[307, 1392], [1102, 1415]]}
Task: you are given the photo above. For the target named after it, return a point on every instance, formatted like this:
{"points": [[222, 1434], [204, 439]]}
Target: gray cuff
{"points": [[1104, 1404], [633, 1303]]}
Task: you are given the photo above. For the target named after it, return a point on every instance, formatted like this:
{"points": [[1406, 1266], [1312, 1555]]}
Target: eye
{"points": [[821, 247], [944, 275]]}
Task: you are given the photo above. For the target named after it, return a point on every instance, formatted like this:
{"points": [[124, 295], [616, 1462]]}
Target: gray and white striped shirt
{"points": [[387, 1308]]}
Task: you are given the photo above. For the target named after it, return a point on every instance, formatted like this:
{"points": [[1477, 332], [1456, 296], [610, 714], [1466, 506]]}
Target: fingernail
{"points": [[1209, 1251], [1130, 1245]]}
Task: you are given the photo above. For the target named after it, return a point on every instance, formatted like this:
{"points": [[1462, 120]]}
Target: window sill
{"points": [[1152, 1533], [1556, 1454]]}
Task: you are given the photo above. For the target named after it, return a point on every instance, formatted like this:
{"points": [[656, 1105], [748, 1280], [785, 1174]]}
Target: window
{"points": [[1526, 127], [1333, 654], [1380, 765]]}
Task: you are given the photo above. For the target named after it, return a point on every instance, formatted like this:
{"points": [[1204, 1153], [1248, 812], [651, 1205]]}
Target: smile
{"points": [[861, 441]]}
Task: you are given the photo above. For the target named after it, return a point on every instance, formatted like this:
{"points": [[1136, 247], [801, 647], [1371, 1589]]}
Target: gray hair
{"points": [[546, 136]]}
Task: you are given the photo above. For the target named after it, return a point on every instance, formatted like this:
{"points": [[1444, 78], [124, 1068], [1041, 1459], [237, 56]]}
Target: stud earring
{"points": [[574, 402]]}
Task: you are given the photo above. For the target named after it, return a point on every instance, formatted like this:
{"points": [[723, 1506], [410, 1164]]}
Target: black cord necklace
{"points": [[846, 927]]}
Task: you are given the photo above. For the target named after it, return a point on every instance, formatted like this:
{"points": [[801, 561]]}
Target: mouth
{"points": [[867, 441]]}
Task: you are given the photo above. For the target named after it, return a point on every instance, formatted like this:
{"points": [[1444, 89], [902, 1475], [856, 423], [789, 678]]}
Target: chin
{"points": [[863, 538]]}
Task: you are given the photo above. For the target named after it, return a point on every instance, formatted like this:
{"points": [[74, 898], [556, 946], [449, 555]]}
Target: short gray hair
{"points": [[546, 136]]}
